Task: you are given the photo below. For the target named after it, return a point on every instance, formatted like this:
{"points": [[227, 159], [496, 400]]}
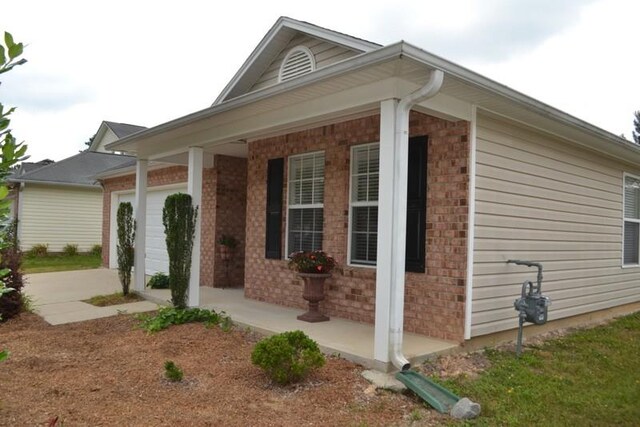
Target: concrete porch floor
{"points": [[348, 339]]}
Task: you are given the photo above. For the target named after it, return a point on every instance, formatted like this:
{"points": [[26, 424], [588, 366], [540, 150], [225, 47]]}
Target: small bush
{"points": [[39, 250], [172, 372], [12, 303], [70, 249], [168, 316], [287, 357], [4, 354], [159, 281], [96, 250]]}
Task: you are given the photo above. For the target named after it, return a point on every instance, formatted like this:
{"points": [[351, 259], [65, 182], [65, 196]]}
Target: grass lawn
{"points": [[591, 377], [113, 299], [49, 263]]}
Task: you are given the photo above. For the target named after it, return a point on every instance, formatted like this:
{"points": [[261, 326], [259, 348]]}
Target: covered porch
{"points": [[258, 127], [348, 339]]}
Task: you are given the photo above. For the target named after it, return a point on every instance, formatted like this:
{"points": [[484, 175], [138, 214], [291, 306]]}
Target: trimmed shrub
{"points": [[172, 372], [96, 250], [159, 281], [39, 250], [179, 219], [126, 238], [287, 357], [70, 249]]}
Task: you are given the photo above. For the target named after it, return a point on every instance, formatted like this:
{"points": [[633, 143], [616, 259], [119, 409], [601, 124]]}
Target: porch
{"points": [[348, 339]]}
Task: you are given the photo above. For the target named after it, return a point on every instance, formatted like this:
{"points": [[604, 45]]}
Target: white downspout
{"points": [[430, 89], [471, 221]]}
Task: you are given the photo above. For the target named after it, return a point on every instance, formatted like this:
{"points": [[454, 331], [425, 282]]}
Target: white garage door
{"points": [[156, 259]]}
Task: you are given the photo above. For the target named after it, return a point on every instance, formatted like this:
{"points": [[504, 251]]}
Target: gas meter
{"points": [[531, 305]]}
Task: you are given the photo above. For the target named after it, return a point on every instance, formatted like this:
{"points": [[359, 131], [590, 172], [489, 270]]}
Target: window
{"points": [[306, 202], [631, 220], [365, 161], [299, 61]]}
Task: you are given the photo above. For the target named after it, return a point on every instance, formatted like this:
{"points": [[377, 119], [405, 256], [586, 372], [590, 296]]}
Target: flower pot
{"points": [[313, 292]]}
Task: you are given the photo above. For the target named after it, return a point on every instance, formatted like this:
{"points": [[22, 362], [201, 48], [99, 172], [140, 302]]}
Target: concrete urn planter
{"points": [[313, 292]]}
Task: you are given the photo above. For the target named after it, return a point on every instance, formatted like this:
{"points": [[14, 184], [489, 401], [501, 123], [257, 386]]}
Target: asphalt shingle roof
{"points": [[79, 169], [123, 129]]}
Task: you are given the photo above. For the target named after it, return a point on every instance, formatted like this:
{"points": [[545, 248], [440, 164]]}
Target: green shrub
{"points": [[11, 302], [287, 357], [159, 281], [126, 238], [179, 219], [96, 250], [70, 249], [172, 372], [4, 354], [167, 316], [39, 250]]}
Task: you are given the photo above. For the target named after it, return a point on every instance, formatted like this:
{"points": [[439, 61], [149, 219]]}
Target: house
{"points": [[60, 203], [421, 177]]}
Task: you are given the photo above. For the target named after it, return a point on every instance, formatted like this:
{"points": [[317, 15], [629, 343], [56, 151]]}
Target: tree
{"points": [[636, 127], [179, 218], [90, 141], [126, 239], [10, 154]]}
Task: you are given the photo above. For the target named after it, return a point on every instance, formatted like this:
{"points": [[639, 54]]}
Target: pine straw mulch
{"points": [[107, 372]]}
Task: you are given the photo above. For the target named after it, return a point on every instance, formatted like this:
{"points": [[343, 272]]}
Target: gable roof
{"points": [[272, 44], [123, 129], [78, 170], [119, 129]]}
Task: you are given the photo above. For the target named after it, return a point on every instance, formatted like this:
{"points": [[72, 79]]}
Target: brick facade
{"points": [[434, 303], [229, 190]]}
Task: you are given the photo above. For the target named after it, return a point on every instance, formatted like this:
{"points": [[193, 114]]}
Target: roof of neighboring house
{"points": [[78, 170], [123, 129], [26, 167]]}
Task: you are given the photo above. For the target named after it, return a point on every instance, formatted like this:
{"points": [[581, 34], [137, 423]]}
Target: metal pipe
{"points": [[401, 143]]}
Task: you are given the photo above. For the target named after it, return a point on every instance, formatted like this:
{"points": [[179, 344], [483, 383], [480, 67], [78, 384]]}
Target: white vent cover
{"points": [[298, 61]]}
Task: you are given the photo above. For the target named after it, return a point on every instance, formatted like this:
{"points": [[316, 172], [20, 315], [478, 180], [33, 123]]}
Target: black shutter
{"points": [[275, 177], [416, 205]]}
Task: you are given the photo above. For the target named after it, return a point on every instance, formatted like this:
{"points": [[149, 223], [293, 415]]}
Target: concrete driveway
{"points": [[58, 296]]}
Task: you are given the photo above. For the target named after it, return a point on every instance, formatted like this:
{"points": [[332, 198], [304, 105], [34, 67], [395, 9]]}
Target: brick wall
{"points": [[233, 185], [434, 303]]}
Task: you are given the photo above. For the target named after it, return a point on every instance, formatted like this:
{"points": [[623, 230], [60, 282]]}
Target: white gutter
{"points": [[430, 89], [64, 184], [471, 224]]}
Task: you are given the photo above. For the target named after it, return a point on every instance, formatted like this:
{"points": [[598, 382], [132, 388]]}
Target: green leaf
{"points": [[8, 39], [15, 50], [3, 355], [3, 58], [4, 192]]}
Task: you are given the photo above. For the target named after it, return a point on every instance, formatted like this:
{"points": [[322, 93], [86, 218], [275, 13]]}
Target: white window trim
{"points": [[350, 263], [298, 206], [624, 219], [299, 48]]}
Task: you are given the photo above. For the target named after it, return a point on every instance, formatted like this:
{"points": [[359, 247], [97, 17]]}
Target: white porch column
{"points": [[381, 351], [141, 224], [194, 187]]}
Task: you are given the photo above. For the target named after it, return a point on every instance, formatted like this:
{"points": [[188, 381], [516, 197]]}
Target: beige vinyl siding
{"points": [[107, 138], [325, 53], [57, 215], [542, 199]]}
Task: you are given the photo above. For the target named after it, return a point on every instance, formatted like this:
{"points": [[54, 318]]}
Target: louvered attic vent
{"points": [[298, 61]]}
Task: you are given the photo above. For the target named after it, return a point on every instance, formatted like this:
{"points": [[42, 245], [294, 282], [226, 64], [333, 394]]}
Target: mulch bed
{"points": [[107, 372]]}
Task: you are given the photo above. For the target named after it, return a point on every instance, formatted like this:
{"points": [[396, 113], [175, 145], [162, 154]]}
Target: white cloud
{"points": [[146, 62]]}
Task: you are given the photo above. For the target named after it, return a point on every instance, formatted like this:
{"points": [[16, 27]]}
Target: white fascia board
{"points": [[63, 184], [381, 55], [312, 30], [99, 135], [335, 106], [512, 95]]}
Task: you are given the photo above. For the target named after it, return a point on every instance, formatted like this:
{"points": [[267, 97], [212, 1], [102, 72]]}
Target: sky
{"points": [[147, 62]]}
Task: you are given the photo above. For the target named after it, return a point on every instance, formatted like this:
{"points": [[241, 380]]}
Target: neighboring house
{"points": [[309, 147], [60, 203]]}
